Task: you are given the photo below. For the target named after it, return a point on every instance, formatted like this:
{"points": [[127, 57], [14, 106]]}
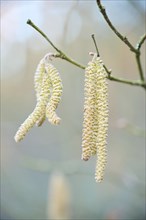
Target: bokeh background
{"points": [[45, 170]]}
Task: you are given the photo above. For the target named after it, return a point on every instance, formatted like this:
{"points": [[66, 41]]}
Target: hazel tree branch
{"points": [[135, 83], [63, 56], [123, 38], [60, 54], [95, 45], [141, 41], [136, 49]]}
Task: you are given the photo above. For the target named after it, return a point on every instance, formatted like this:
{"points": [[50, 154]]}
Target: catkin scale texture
{"points": [[89, 124], [95, 123], [38, 77], [102, 115], [56, 93], [38, 80], [38, 111], [48, 87]]}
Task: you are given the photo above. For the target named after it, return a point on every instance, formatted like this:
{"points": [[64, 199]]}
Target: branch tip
{"points": [[29, 21], [93, 37]]}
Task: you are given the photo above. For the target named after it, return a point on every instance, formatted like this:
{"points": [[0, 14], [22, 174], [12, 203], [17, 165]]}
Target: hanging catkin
{"points": [[38, 111], [95, 121], [56, 93], [38, 80], [47, 82], [89, 126], [102, 106]]}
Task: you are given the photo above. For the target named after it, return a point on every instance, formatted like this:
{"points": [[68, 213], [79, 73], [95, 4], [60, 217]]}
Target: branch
{"points": [[133, 83], [141, 41], [123, 38], [62, 55], [138, 47], [95, 45]]}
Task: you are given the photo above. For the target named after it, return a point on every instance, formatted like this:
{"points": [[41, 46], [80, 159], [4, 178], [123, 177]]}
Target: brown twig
{"points": [[136, 49], [62, 55], [123, 38]]}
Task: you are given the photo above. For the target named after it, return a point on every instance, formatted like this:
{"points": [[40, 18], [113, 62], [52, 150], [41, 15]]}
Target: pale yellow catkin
{"points": [[102, 114], [39, 110], [90, 117], [95, 123], [38, 77], [38, 80], [56, 93]]}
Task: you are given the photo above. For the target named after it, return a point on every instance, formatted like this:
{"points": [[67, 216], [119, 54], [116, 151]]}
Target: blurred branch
{"points": [[67, 20], [136, 49], [62, 55], [138, 7]]}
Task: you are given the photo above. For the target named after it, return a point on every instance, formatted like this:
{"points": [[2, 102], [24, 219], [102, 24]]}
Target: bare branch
{"points": [[138, 47], [97, 51], [133, 83], [123, 38], [141, 41], [63, 56]]}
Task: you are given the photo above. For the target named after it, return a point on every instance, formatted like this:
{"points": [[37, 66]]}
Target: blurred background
{"points": [[43, 177]]}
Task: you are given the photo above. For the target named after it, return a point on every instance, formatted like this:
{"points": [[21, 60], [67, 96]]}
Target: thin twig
{"points": [[139, 67], [62, 55], [138, 47], [141, 41], [133, 83], [95, 45], [123, 38]]}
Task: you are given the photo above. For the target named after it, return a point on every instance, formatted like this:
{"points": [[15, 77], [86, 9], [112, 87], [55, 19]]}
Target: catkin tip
{"points": [[55, 121], [17, 139], [85, 158], [98, 180]]}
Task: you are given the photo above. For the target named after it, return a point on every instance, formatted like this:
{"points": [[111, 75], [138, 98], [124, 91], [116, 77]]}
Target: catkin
{"points": [[38, 77], [89, 127], [102, 105], [95, 123], [48, 88], [38, 80], [39, 110], [55, 94]]}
